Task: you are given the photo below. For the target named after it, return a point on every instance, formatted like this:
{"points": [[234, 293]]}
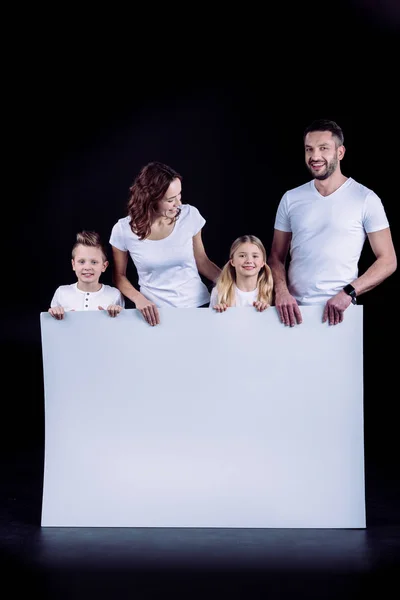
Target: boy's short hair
{"points": [[90, 239]]}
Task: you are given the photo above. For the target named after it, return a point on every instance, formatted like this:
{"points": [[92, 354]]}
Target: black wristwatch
{"points": [[350, 291]]}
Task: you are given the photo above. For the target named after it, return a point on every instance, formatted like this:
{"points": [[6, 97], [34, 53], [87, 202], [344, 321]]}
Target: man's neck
{"points": [[327, 186]]}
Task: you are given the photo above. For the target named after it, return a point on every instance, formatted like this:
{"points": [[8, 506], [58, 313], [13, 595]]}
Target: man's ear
{"points": [[341, 152]]}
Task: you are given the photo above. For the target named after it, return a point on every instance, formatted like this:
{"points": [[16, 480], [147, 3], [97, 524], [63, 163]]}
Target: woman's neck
{"points": [[161, 221]]}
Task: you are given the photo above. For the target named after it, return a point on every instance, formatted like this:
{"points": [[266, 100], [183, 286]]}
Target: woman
{"points": [[163, 238]]}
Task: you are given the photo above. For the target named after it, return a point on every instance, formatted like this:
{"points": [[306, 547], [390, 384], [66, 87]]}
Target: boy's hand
{"points": [[57, 312], [113, 310]]}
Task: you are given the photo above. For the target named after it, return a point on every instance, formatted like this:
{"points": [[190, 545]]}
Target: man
{"points": [[325, 223]]}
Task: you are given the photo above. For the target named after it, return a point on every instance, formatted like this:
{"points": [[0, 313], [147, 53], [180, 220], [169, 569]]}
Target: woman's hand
{"points": [[148, 309]]}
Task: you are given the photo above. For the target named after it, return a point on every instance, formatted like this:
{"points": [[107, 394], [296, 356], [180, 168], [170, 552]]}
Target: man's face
{"points": [[322, 154]]}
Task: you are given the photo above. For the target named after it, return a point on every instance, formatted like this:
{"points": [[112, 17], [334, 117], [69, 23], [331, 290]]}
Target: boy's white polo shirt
{"points": [[70, 297]]}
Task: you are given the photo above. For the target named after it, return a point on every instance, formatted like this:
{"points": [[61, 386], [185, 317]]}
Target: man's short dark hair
{"points": [[326, 125]]}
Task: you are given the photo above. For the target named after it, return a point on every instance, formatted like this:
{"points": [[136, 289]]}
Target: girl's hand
{"points": [[57, 312], [113, 310], [148, 309], [260, 306], [220, 307]]}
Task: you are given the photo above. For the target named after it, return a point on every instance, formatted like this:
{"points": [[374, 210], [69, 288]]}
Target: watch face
{"points": [[350, 290]]}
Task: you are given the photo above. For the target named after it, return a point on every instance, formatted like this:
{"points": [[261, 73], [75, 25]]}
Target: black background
{"points": [[223, 96]]}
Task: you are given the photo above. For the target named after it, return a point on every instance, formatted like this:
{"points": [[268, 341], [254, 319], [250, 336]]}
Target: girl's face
{"points": [[169, 205], [247, 259], [88, 264]]}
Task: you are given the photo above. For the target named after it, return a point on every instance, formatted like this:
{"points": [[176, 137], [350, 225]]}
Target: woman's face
{"points": [[169, 205]]}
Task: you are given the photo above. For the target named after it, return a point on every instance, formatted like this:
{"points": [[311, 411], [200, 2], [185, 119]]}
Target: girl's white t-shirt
{"points": [[167, 270], [72, 298], [241, 298]]}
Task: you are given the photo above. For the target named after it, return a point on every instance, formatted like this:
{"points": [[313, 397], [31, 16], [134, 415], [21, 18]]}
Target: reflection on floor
{"points": [[206, 563]]}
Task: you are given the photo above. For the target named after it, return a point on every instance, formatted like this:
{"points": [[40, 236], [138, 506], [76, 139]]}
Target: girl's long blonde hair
{"points": [[227, 279]]}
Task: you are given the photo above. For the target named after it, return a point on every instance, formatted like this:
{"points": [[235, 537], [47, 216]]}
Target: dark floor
{"points": [[72, 563]]}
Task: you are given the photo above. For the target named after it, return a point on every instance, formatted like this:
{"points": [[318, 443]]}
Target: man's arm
{"points": [[277, 260], [384, 265], [286, 305]]}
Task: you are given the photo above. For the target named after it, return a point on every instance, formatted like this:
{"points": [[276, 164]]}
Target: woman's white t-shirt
{"points": [[166, 268], [72, 298], [241, 298]]}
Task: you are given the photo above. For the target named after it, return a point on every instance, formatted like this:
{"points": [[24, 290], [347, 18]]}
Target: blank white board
{"points": [[206, 420]]}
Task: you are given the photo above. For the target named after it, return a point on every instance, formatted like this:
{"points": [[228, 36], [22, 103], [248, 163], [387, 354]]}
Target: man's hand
{"points": [[288, 309], [335, 307]]}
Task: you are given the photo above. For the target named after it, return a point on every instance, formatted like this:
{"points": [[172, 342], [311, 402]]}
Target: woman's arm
{"points": [[204, 264], [148, 309], [120, 278]]}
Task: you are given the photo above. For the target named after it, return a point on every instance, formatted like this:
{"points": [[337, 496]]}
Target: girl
{"points": [[246, 279], [163, 238], [89, 261]]}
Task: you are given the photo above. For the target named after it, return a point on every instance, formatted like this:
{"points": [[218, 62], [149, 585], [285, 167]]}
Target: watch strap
{"points": [[350, 291]]}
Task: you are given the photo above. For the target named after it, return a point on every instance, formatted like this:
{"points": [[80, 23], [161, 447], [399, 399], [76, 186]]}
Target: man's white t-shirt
{"points": [[166, 268], [241, 298], [72, 298], [328, 234]]}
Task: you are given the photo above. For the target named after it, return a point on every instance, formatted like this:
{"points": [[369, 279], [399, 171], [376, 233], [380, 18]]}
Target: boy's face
{"points": [[88, 264]]}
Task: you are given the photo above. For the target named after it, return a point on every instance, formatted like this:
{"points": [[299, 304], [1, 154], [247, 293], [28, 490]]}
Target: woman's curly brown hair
{"points": [[149, 187]]}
